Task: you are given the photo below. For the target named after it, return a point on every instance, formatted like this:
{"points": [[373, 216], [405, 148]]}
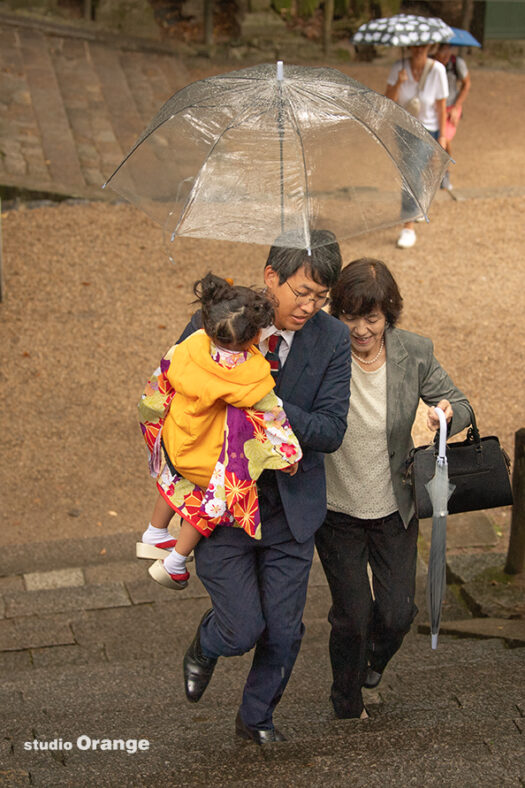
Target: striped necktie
{"points": [[272, 356]]}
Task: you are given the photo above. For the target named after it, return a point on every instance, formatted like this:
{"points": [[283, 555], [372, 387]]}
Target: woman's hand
{"points": [[453, 114], [433, 418], [402, 76]]}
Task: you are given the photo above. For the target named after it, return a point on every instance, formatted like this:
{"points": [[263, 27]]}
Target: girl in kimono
{"points": [[222, 425]]}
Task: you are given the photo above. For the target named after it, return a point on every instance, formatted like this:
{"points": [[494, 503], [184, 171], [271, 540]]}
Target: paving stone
{"points": [[59, 554], [59, 600], [116, 571], [67, 655], [495, 598], [466, 566], [125, 119], [59, 578], [12, 661], [93, 176], [11, 582], [15, 165], [33, 632], [470, 529]]}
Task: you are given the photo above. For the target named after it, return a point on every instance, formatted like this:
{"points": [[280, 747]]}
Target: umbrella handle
{"points": [[442, 455]]}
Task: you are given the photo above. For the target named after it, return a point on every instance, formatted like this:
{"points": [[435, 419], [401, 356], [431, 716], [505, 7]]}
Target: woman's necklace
{"points": [[364, 361]]}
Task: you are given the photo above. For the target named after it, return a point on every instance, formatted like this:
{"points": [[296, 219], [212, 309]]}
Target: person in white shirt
{"points": [[425, 80]]}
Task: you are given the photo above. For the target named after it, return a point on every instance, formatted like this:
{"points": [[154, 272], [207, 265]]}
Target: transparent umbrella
{"points": [[260, 153], [439, 490]]}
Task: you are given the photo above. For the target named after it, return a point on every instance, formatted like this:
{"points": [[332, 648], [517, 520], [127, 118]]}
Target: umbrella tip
{"points": [[309, 252], [280, 71], [434, 641]]}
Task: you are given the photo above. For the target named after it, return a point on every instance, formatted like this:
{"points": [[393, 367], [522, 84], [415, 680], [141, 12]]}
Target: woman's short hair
{"points": [[364, 285]]}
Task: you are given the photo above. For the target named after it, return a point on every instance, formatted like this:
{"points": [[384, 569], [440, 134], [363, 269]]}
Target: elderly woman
{"points": [[426, 80], [370, 518]]}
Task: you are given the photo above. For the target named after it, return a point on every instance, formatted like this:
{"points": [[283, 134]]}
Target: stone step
{"points": [[120, 106], [148, 82], [81, 92], [438, 715], [20, 144], [74, 107], [57, 139]]}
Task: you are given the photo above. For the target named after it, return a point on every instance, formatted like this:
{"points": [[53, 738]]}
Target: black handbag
{"points": [[478, 467]]}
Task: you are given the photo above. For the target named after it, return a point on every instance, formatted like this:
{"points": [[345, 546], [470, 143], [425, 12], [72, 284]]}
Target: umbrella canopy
{"points": [[255, 154], [462, 38], [439, 490], [403, 30]]}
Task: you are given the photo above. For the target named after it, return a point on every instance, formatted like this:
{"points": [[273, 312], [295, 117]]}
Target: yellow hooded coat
{"points": [[193, 432]]}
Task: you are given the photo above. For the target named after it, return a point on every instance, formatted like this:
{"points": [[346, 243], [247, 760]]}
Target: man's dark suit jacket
{"points": [[314, 384]]}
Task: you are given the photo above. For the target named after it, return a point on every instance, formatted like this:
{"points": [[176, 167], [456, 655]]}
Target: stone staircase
{"points": [[90, 647], [73, 107]]}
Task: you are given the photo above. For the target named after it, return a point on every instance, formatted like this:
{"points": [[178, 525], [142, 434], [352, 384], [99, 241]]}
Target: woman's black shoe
{"points": [[373, 677]]}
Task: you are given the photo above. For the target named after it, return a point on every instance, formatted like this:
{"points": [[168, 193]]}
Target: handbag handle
{"points": [[442, 454], [473, 432], [473, 435]]}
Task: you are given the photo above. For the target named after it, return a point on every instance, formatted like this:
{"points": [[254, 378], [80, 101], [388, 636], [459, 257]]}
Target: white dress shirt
{"points": [[284, 347]]}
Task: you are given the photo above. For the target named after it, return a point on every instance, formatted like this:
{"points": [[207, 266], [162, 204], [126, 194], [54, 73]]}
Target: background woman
{"points": [[458, 89], [403, 84], [370, 516]]}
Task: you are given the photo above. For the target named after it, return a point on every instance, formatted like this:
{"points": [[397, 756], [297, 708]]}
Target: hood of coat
{"points": [[196, 375]]}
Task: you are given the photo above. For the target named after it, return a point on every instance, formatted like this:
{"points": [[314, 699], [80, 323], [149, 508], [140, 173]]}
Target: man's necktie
{"points": [[274, 342]]}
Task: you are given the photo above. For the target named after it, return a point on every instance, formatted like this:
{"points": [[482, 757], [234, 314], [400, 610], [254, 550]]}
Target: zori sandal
{"points": [[153, 551], [162, 576]]}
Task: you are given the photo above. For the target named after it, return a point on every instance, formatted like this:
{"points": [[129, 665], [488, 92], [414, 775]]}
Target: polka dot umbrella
{"points": [[403, 30]]}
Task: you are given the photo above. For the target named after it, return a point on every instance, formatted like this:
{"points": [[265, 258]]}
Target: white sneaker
{"points": [[445, 183], [406, 239]]}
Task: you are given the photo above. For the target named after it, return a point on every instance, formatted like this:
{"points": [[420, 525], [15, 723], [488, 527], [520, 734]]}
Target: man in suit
{"points": [[258, 588]]}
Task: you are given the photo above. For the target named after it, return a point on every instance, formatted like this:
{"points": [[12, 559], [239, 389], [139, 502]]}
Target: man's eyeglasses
{"points": [[305, 298]]}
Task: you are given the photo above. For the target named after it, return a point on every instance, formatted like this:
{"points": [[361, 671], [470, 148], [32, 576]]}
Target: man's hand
{"points": [[291, 469]]}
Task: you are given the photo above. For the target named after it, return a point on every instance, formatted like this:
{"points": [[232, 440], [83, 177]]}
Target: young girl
{"points": [[224, 426]]}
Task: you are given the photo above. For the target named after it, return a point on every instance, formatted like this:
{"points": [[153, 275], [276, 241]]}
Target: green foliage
{"points": [[282, 5], [306, 8]]}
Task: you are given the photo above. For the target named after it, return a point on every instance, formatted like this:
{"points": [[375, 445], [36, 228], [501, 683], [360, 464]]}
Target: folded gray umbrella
{"points": [[439, 490]]}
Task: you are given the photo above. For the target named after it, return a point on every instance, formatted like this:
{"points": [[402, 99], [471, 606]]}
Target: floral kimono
{"points": [[215, 414]]}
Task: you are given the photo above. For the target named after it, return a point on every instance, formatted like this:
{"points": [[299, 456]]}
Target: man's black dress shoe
{"points": [[197, 668], [373, 677], [258, 735]]}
